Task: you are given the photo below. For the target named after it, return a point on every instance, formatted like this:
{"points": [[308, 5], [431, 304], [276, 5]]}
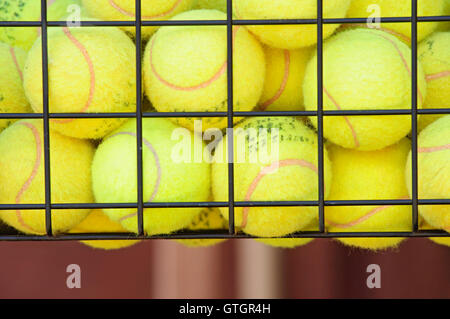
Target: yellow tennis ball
{"points": [[398, 8], [283, 87], [22, 176], [208, 219], [364, 69], [211, 4], [289, 36], [98, 222], [91, 69], [124, 10], [29, 10], [434, 55], [433, 164], [290, 242], [172, 173], [12, 96], [275, 160], [185, 69], [371, 175]]}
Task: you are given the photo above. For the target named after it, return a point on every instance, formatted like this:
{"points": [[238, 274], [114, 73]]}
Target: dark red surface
{"points": [[322, 269]]}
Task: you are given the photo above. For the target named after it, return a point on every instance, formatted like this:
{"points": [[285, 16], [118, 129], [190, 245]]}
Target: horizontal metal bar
{"points": [[223, 22], [224, 114], [225, 204], [216, 234]]}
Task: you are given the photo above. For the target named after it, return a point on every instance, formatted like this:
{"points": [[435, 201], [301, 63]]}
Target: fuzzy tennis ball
{"points": [[433, 164], [285, 70], [289, 36], [172, 173], [29, 10], [98, 222], [185, 69], [434, 55], [91, 70], [124, 10], [399, 8], [364, 69], [22, 176], [211, 4], [275, 160], [208, 219], [290, 242], [12, 96], [371, 175]]}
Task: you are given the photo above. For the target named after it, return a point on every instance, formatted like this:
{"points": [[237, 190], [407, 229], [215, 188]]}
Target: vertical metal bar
{"points": [[320, 113], [48, 212], [414, 194], [230, 116], [140, 190]]}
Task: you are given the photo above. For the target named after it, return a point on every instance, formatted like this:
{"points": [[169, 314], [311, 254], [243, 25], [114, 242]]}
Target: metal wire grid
{"points": [[230, 114]]}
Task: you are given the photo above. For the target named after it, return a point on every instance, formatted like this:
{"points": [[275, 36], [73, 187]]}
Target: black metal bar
{"points": [[230, 110], [46, 124], [442, 111], [219, 234], [140, 184], [414, 194], [320, 169], [224, 22]]}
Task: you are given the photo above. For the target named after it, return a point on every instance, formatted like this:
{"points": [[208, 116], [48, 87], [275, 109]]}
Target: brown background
{"points": [[239, 268]]}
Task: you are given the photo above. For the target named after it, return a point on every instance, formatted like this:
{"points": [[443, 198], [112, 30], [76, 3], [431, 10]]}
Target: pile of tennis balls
{"points": [[185, 69]]}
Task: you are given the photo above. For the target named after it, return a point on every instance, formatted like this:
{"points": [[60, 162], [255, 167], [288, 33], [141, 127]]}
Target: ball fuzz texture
{"points": [[90, 70], [433, 164], [98, 222], [275, 160], [12, 96], [283, 87], [185, 69], [22, 176], [364, 69], [171, 173], [434, 55], [289, 36], [208, 219], [374, 175], [29, 10], [211, 4], [399, 8], [124, 10]]}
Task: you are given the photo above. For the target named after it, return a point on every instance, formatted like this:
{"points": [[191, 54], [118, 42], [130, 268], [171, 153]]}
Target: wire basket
{"points": [[230, 114]]}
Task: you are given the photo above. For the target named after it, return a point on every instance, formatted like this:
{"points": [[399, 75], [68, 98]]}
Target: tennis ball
{"points": [[98, 222], [289, 36], [208, 219], [91, 70], [124, 10], [364, 69], [371, 175], [433, 164], [290, 242], [171, 173], [434, 55], [211, 4], [445, 26], [29, 10], [285, 70], [22, 176], [185, 69], [12, 96], [399, 8], [275, 159]]}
